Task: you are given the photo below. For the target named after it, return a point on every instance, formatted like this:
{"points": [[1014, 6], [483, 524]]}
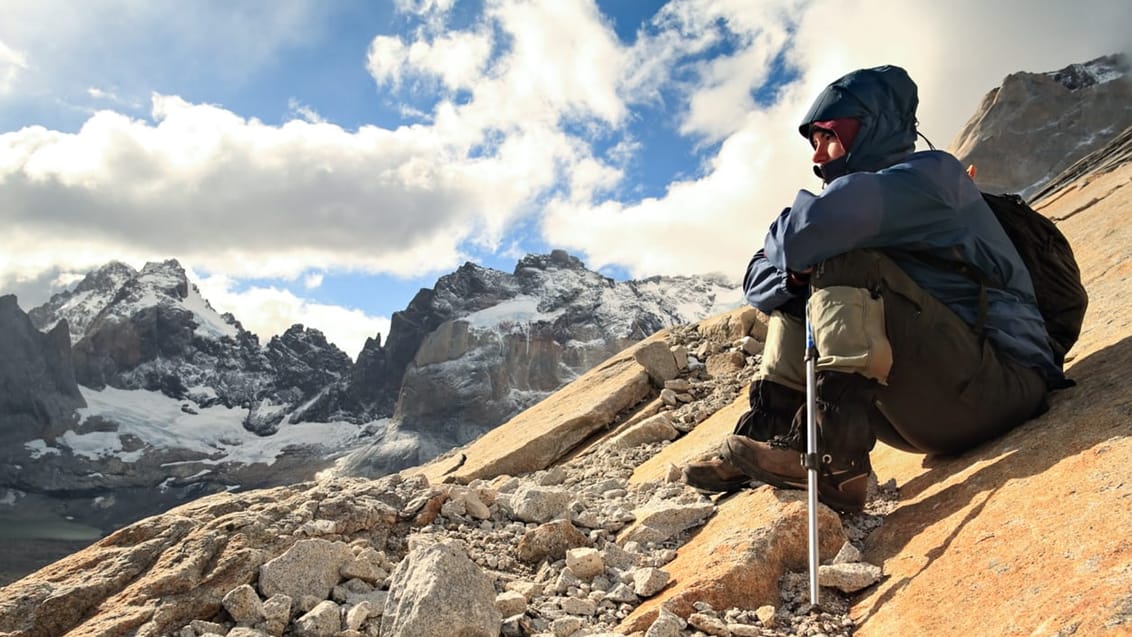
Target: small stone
{"points": [[744, 630], [622, 594], [674, 474], [847, 554], [244, 605], [709, 624], [276, 614], [649, 581], [565, 581], [324, 620], [586, 563], [202, 627], [766, 615], [524, 588], [566, 626], [475, 507], [357, 616], [510, 603], [849, 578], [666, 624], [579, 606]]}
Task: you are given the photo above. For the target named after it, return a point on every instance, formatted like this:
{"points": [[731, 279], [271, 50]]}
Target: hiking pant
{"points": [[939, 386]]}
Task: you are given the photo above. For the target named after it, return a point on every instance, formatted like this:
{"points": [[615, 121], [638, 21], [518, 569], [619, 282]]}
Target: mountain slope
{"points": [[1036, 125]]}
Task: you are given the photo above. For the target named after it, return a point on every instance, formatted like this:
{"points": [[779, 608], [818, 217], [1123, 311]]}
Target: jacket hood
{"points": [[884, 100]]}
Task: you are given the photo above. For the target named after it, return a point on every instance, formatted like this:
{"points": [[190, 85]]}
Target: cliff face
{"points": [[38, 392], [1036, 125]]}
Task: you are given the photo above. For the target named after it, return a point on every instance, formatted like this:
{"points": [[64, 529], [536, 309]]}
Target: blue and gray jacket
{"points": [[883, 195]]}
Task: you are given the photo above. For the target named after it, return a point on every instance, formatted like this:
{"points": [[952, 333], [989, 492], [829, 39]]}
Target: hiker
{"points": [[910, 352]]}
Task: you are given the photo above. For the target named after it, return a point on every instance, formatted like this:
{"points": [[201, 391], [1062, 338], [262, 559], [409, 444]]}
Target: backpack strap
{"points": [[965, 269]]}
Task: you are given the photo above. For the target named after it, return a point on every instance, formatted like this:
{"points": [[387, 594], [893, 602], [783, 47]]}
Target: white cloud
{"points": [[304, 112], [269, 311], [235, 195], [313, 280], [457, 59], [955, 51], [510, 111], [12, 64]]}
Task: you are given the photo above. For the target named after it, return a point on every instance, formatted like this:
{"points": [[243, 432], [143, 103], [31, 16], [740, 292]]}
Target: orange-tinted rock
{"points": [[736, 559]]}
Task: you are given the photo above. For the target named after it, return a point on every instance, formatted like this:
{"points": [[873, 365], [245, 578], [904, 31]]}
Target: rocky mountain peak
{"points": [[1099, 71], [108, 277], [82, 304], [164, 279], [557, 260], [1058, 117]]}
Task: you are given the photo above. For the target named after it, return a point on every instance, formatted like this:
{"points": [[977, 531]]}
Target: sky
{"points": [[319, 162]]}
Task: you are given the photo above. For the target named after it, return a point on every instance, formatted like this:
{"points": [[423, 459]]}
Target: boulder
{"points": [[436, 592]]}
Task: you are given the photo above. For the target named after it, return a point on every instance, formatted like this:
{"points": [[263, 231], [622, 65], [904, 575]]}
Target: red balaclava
{"points": [[844, 128]]}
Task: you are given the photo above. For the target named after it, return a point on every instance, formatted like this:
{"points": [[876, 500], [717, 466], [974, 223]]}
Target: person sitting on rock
{"points": [[914, 354]]}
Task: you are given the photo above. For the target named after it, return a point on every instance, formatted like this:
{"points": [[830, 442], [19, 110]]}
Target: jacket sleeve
{"points": [[768, 288], [861, 210]]}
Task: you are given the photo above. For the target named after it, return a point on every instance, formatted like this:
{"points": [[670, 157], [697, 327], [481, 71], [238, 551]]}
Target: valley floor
{"points": [[20, 557]]}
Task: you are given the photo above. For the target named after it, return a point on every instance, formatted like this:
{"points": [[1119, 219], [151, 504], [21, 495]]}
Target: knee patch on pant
{"points": [[849, 332], [784, 352]]}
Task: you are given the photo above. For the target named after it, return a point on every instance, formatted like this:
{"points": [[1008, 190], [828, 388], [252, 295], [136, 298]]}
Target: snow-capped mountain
{"points": [[180, 398], [82, 304], [486, 344], [1038, 124]]}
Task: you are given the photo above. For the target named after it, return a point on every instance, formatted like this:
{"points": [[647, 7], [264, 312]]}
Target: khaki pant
{"points": [[942, 387]]}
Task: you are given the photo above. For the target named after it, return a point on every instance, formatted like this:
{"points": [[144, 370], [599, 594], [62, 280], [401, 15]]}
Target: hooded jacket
{"points": [[883, 195]]}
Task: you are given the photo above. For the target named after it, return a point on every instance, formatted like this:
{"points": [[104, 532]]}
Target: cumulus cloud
{"points": [[270, 310], [713, 222], [456, 60], [530, 114], [236, 195]]}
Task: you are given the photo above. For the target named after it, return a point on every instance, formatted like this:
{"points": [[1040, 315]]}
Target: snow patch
{"points": [[216, 432], [209, 323], [521, 309], [10, 497], [38, 448]]}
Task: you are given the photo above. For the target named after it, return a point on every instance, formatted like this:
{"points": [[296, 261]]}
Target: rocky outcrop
{"points": [[567, 544], [1036, 125]]}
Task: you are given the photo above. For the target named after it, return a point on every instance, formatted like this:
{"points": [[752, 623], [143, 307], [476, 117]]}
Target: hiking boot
{"points": [[774, 464], [842, 488], [715, 475]]}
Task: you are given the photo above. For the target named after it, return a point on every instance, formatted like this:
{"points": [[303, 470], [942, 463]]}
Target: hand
{"points": [[798, 279]]}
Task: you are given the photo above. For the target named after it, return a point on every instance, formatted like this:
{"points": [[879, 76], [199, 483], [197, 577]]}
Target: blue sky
{"points": [[319, 162]]}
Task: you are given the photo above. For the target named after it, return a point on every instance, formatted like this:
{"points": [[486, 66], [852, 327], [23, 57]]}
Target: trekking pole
{"points": [[810, 460]]}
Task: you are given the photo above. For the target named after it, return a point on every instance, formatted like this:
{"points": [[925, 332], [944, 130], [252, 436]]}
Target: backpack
{"points": [[1046, 252]]}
